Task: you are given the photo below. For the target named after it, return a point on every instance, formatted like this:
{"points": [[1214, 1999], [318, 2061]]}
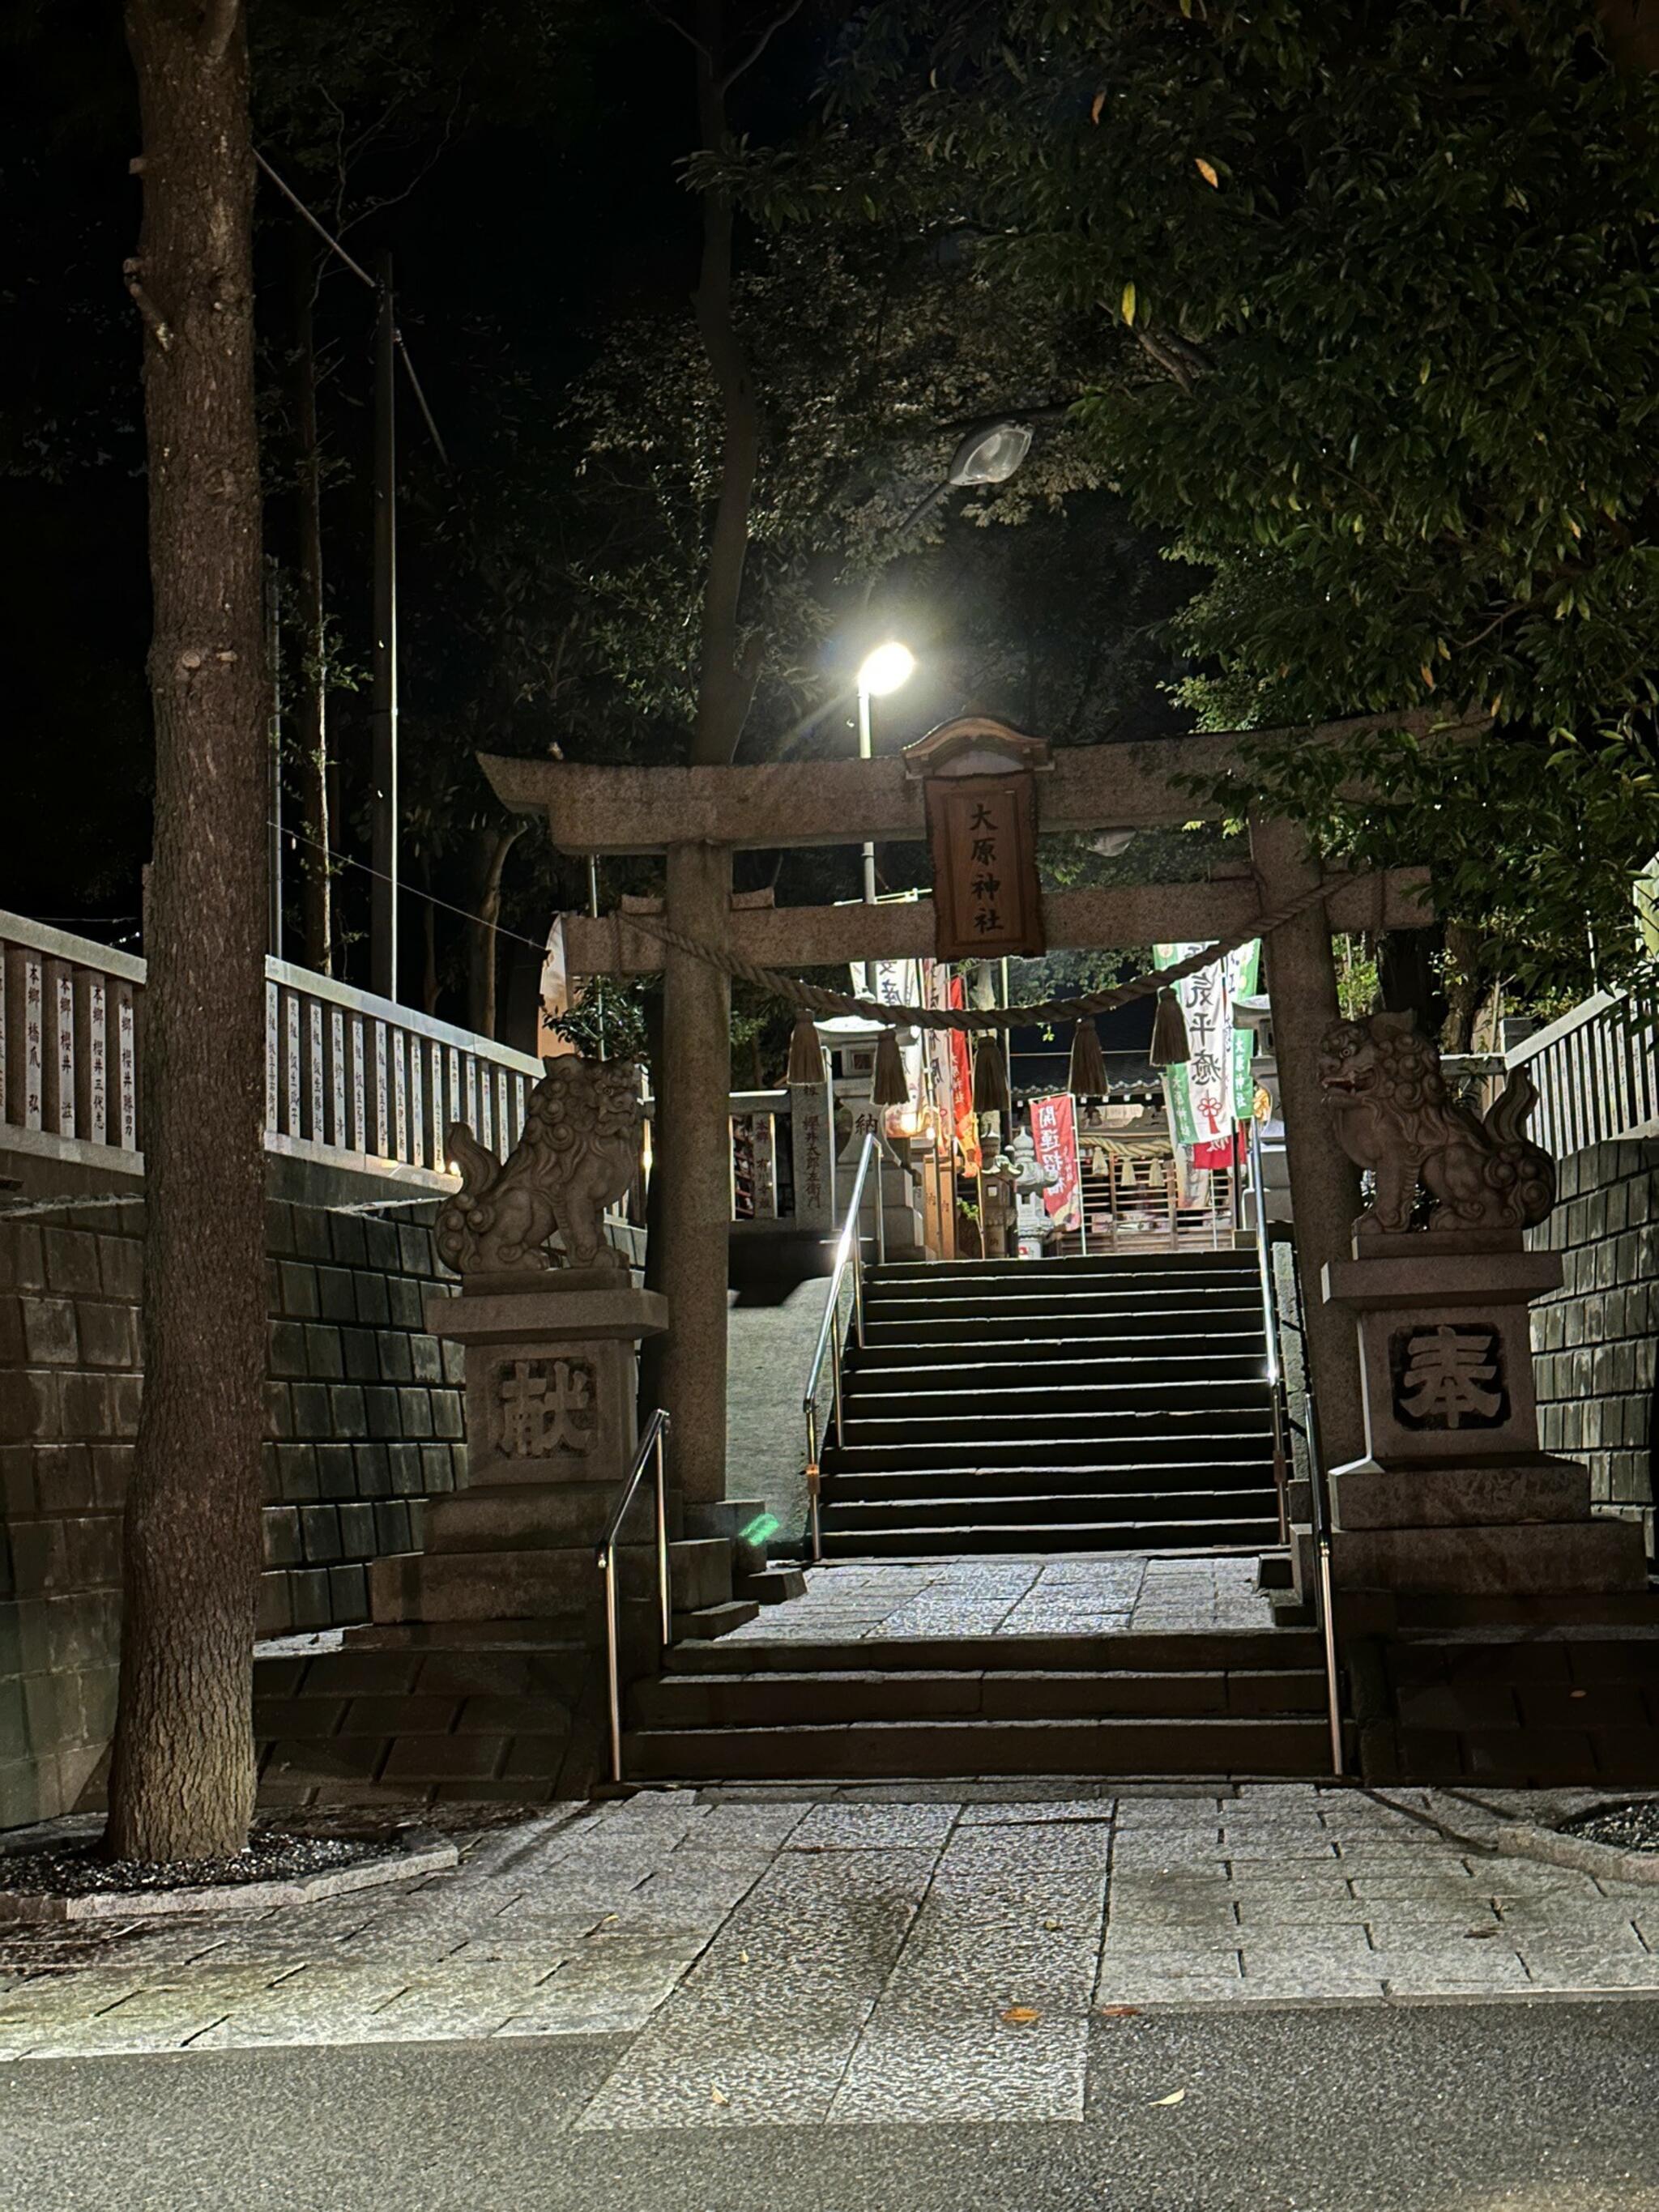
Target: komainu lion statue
{"points": [[1393, 1115], [580, 1150]]}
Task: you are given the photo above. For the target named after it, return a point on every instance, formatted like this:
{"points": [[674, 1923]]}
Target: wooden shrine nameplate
{"points": [[982, 832], [980, 790]]}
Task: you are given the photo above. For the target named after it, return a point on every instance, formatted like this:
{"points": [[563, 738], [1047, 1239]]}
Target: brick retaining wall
{"points": [[365, 1423], [1594, 1337]]}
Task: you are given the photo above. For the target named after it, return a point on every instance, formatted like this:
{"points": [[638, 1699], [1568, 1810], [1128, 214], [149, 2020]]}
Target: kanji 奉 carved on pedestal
{"points": [[579, 1151], [1392, 1114]]}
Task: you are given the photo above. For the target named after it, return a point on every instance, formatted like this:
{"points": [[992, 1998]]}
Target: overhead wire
{"points": [[364, 277], [404, 887]]}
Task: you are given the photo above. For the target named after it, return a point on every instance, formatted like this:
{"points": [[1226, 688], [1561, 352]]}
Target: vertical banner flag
{"points": [[1209, 1095], [936, 987], [1243, 965], [962, 1086], [1053, 1135]]}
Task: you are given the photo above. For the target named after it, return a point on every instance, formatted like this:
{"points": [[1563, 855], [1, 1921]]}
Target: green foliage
{"points": [[1374, 310], [608, 1020], [869, 359], [1536, 841]]}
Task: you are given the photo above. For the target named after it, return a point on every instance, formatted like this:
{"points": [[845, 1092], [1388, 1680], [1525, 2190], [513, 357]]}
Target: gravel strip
{"points": [[1632, 1827], [78, 1869]]}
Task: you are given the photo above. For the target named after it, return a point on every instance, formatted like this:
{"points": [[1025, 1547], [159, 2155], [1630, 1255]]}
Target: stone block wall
{"points": [[365, 1407], [365, 1418], [1594, 1340]]}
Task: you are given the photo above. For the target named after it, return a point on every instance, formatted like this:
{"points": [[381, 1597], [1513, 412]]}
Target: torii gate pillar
{"points": [[692, 1161], [1324, 1182]]}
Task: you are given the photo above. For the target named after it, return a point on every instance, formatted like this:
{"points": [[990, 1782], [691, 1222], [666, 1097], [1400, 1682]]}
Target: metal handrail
{"points": [[1321, 1536], [1320, 1515], [652, 1443], [1270, 1328], [849, 1252]]}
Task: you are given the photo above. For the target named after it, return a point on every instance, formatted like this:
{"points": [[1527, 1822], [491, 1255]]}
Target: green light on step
{"points": [[763, 1525]]}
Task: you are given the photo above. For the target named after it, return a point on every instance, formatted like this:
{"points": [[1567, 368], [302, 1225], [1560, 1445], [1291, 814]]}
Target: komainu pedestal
{"points": [[552, 1369], [552, 1338], [1454, 1494]]}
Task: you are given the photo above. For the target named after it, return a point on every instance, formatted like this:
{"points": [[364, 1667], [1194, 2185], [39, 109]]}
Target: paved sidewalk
{"points": [[1113, 1595], [906, 1953]]}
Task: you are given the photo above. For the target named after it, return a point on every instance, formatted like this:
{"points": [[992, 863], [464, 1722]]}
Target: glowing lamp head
{"points": [[886, 668], [990, 454]]}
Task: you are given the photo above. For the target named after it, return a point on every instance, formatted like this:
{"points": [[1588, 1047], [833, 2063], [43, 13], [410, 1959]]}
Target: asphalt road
{"points": [[1553, 2107]]}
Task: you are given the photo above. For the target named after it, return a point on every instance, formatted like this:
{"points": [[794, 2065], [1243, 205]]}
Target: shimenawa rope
{"points": [[818, 999]]}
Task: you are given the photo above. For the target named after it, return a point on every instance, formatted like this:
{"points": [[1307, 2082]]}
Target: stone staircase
{"points": [[1246, 1703], [1117, 1403]]}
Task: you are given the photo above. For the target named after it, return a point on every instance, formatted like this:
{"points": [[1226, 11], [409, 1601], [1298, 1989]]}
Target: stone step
{"points": [[1088, 1451], [771, 1585], [1044, 1401], [1508, 1558], [1167, 1479], [1190, 1310], [1075, 1508], [546, 1515], [963, 1539], [1151, 1272], [1530, 1759], [778, 1699], [1132, 1651], [479, 1585], [1055, 1426], [999, 1366], [709, 1621], [1051, 1337], [1580, 1609], [941, 1747]]}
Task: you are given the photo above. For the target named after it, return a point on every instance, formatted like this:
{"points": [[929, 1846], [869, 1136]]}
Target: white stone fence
{"points": [[1598, 1073], [351, 1080]]}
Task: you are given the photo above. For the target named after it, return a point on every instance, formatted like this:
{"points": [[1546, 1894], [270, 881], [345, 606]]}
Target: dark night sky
{"points": [[515, 247]]}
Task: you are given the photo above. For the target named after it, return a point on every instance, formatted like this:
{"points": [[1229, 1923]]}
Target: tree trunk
{"points": [[183, 1779], [494, 846], [1464, 989], [311, 692]]}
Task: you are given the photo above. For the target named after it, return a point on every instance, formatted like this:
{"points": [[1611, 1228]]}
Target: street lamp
{"points": [[990, 454], [881, 671]]}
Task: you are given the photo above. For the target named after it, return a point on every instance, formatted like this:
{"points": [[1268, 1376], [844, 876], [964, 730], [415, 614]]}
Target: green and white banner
{"points": [[1213, 1094]]}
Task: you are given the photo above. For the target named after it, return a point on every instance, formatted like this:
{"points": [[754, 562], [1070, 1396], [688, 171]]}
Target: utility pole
{"points": [[274, 826], [865, 749], [383, 716]]}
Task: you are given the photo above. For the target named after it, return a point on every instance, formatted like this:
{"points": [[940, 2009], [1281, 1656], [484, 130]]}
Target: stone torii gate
{"points": [[697, 817]]}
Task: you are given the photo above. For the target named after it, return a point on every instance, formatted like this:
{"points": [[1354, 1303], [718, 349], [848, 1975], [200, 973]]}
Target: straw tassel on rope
{"points": [[1170, 1045], [991, 1093], [1087, 1078], [805, 1053], [890, 1086]]}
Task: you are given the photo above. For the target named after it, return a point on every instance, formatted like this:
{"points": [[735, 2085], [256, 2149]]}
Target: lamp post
{"points": [[882, 671]]}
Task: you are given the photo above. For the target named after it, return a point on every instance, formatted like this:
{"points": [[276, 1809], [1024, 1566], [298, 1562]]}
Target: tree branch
{"points": [[691, 40], [155, 321], [1175, 356], [742, 67]]}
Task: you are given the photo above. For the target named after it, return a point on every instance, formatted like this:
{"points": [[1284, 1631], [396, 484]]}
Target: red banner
{"points": [[962, 1087], [1054, 1133]]}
